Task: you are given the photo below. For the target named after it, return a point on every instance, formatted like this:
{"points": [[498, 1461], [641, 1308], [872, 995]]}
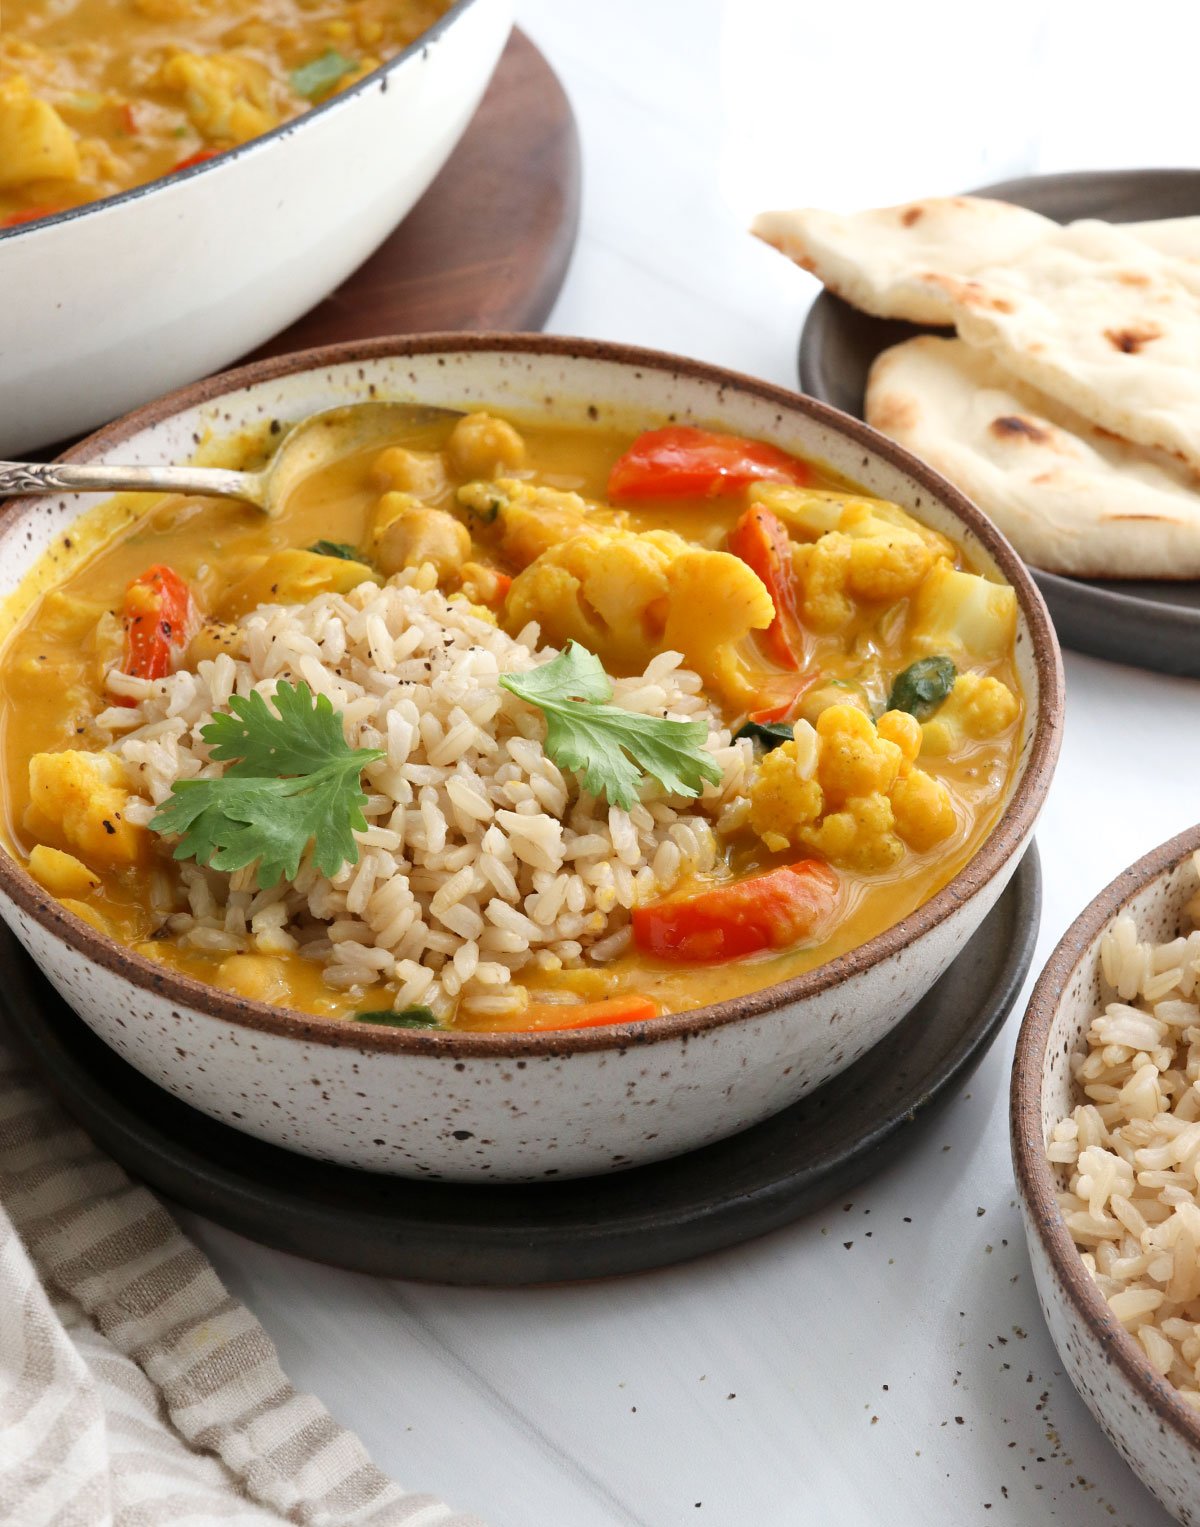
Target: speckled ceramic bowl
{"points": [[1156, 1432], [524, 1106]]}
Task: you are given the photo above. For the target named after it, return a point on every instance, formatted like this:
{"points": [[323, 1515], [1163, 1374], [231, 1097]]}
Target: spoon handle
{"points": [[20, 479]]}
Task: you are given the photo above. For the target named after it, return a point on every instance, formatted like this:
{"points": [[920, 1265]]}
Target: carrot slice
{"points": [[682, 462], [581, 1015], [761, 540], [159, 616], [770, 911]]}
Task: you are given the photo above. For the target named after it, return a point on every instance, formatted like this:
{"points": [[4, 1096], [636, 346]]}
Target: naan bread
{"points": [[1069, 497], [1179, 236], [1101, 322], [875, 259]]}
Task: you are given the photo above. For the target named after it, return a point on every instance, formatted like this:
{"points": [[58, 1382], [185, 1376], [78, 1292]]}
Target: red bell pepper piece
{"points": [[201, 156], [770, 911], [761, 540], [159, 618], [683, 462], [30, 215]]}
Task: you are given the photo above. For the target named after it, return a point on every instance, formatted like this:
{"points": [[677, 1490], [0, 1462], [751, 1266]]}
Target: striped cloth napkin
{"points": [[134, 1390]]}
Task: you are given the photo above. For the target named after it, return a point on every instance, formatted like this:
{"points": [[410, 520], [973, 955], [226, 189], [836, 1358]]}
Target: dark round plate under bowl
{"points": [[1152, 624], [555, 1232]]}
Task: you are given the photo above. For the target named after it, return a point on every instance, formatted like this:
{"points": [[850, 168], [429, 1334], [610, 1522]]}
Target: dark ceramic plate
{"points": [[1155, 625], [590, 1228]]}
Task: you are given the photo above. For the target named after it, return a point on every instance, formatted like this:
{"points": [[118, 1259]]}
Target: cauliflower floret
{"points": [[889, 566], [957, 613], [531, 519], [228, 96], [923, 810], [904, 730], [606, 591], [849, 790], [813, 512], [823, 571], [79, 798], [854, 759], [976, 708], [35, 142], [785, 795], [861, 836], [627, 596], [714, 601]]}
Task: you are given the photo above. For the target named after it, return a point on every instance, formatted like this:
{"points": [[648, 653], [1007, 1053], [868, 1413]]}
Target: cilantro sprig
{"points": [[292, 780], [613, 749]]}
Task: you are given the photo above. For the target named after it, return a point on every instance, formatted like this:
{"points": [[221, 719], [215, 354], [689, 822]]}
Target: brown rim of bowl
{"points": [[1036, 1177], [1010, 832]]}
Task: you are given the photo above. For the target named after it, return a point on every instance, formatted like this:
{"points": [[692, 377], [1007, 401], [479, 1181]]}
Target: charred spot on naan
{"points": [[1013, 426], [971, 294], [1134, 338]]}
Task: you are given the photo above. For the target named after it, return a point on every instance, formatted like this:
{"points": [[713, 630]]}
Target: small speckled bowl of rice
{"points": [[475, 1106], [1106, 1148]]}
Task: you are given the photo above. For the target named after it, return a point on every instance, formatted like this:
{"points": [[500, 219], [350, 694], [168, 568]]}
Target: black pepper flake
{"points": [[109, 828], [847, 1244]]}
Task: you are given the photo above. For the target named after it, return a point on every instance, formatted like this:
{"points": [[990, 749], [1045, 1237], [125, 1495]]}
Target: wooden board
{"points": [[488, 245]]}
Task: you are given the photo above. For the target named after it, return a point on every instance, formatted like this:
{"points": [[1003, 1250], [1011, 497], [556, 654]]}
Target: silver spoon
{"points": [[314, 442]]}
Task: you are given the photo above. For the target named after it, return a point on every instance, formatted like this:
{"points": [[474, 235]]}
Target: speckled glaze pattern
{"points": [[527, 1106], [1155, 1431], [175, 279]]}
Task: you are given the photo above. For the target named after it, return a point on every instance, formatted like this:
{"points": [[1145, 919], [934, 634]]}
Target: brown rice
{"points": [[480, 858], [1132, 1149]]}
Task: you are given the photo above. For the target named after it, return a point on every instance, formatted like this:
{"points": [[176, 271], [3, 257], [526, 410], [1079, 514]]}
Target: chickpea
{"points": [[421, 473], [836, 692], [417, 535], [483, 446]]}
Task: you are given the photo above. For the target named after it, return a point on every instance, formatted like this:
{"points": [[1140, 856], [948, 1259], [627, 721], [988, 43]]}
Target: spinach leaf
{"points": [[923, 686], [765, 734], [408, 1018], [341, 549]]}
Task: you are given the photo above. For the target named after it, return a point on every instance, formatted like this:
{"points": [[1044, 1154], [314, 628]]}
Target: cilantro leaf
{"points": [[613, 749], [292, 780], [340, 549], [320, 74]]}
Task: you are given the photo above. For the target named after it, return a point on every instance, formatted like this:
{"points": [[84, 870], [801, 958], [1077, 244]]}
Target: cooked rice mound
{"points": [[1132, 1150], [481, 857]]}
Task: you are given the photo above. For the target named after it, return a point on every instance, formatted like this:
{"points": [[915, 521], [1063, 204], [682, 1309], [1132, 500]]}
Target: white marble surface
{"points": [[906, 1376]]}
